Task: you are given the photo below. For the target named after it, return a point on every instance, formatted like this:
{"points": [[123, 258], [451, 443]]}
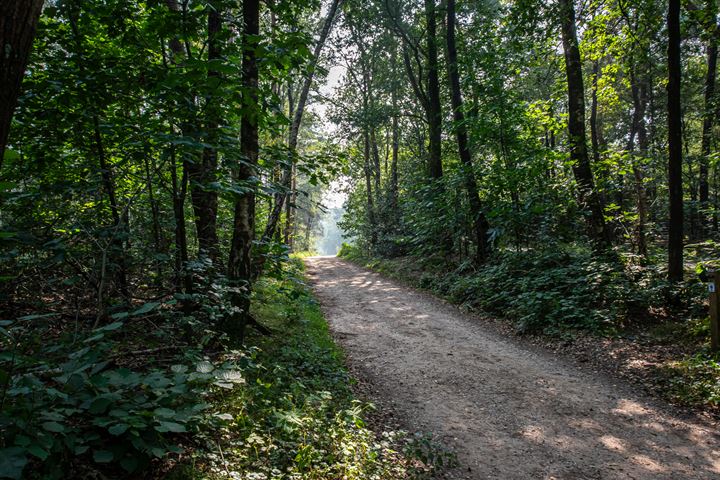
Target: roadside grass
{"points": [[296, 416], [560, 294]]}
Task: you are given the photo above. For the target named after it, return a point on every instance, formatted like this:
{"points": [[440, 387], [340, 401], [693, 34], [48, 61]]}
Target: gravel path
{"points": [[509, 411]]}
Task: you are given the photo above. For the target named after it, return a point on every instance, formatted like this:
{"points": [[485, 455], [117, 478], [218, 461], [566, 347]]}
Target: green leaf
{"points": [[36, 317], [53, 427], [179, 368], [145, 308], [164, 412], [102, 456], [170, 427], [22, 440], [38, 452], [204, 367], [12, 462], [118, 429], [129, 464], [109, 327], [99, 405]]}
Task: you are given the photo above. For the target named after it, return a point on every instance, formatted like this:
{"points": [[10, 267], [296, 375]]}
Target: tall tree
{"points": [[674, 113], [203, 170], [480, 224], [18, 21], [711, 52], [588, 197], [434, 108], [240, 260]]}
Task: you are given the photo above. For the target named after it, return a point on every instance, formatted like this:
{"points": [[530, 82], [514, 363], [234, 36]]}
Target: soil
{"points": [[508, 409]]}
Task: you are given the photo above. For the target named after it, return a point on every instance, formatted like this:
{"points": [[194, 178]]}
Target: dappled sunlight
{"points": [[613, 443], [495, 398]]}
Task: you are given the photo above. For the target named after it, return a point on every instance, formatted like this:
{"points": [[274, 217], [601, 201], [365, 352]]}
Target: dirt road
{"points": [[509, 411]]}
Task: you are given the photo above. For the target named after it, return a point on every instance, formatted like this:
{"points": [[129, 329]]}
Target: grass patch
{"points": [[695, 379]]}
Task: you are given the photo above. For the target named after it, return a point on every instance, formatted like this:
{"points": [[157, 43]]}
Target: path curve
{"points": [[508, 411]]}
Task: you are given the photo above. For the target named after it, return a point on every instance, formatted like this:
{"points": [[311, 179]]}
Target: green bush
{"points": [[82, 396], [695, 380]]}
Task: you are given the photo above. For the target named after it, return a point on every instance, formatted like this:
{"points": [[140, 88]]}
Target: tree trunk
{"points": [[433, 92], [183, 279], [594, 137], [394, 161], [376, 162], [240, 260], [707, 132], [372, 225], [18, 21], [203, 172], [480, 224], [675, 233], [638, 128], [587, 195]]}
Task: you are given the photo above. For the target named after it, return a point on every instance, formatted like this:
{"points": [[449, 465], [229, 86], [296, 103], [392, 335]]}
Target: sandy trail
{"points": [[509, 412]]}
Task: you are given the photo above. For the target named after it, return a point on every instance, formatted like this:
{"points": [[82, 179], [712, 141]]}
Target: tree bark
{"points": [[372, 224], [675, 230], [707, 132], [594, 137], [587, 195], [480, 224], [638, 128], [240, 260], [183, 279], [204, 170], [435, 170], [18, 21]]}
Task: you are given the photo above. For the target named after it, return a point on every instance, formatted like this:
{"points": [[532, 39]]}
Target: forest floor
{"points": [[507, 408]]}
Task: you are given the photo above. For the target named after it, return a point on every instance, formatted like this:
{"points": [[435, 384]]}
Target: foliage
{"points": [[695, 379], [85, 396]]}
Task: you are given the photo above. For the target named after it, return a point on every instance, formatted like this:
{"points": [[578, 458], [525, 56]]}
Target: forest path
{"points": [[508, 411]]}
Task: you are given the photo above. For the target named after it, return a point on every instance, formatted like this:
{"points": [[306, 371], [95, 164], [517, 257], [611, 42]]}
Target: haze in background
{"points": [[331, 236]]}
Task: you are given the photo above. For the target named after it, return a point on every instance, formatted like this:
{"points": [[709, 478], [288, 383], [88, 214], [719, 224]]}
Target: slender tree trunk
{"points": [[433, 92], [707, 132], [183, 279], [372, 224], [675, 233], [394, 161], [376, 161], [240, 261], [120, 228], [155, 217], [204, 171], [18, 21], [479, 222], [594, 137], [638, 128], [588, 197]]}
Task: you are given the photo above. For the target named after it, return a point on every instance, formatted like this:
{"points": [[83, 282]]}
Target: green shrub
{"points": [[695, 380], [72, 397]]}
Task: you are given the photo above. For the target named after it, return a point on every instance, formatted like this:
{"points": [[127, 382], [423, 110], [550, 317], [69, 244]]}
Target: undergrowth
{"points": [[159, 393]]}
